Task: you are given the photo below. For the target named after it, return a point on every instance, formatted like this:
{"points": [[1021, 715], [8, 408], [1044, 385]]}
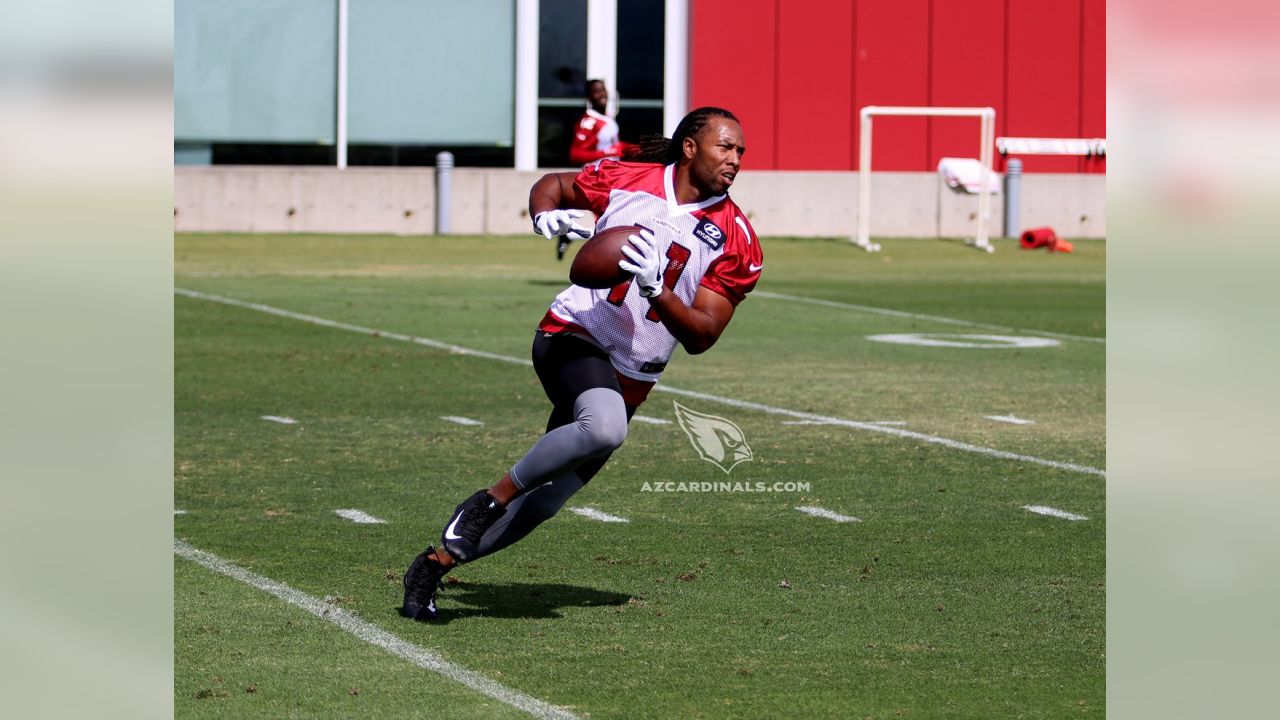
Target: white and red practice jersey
{"points": [[704, 245], [595, 137]]}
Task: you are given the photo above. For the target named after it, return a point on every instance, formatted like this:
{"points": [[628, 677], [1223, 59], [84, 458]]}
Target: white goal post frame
{"points": [[986, 151]]}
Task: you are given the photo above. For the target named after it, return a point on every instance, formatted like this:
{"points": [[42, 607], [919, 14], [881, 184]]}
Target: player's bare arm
{"points": [[556, 191], [697, 327]]}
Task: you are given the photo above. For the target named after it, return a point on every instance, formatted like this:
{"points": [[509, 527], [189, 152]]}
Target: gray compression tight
{"points": [[599, 426], [546, 472]]}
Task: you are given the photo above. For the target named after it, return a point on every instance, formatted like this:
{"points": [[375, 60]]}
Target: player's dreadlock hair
{"points": [[658, 149]]}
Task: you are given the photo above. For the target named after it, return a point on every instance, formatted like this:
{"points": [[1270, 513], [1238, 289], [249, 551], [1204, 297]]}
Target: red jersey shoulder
{"points": [[737, 270], [598, 179], [739, 237]]}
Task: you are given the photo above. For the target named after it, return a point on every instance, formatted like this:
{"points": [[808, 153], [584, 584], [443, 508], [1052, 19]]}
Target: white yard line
{"points": [[918, 316], [1010, 419], [179, 512], [741, 404], [650, 420], [460, 420], [828, 514], [374, 635], [824, 422], [1053, 512], [359, 516], [280, 419], [899, 432], [597, 515]]}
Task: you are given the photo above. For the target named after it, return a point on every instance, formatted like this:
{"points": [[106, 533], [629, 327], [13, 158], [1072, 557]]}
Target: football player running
{"points": [[598, 353]]}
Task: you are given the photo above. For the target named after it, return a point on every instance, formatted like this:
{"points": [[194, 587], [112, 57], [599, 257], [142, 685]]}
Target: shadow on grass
{"points": [[552, 283], [518, 600]]}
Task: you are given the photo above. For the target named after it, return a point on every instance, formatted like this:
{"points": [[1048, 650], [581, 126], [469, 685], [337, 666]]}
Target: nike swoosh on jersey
{"points": [[755, 268], [448, 532]]}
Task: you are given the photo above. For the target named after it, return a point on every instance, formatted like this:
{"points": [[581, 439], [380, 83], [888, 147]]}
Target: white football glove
{"points": [[646, 264], [554, 223]]}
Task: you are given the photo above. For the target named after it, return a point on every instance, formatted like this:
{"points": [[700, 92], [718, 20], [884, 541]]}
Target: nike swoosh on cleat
{"points": [[448, 532]]}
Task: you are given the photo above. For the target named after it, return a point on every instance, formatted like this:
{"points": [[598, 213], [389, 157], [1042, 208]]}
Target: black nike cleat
{"points": [[478, 513], [421, 581], [562, 247]]}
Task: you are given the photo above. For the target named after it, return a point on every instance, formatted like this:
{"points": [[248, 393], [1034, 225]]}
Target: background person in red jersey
{"points": [[598, 353], [596, 135]]}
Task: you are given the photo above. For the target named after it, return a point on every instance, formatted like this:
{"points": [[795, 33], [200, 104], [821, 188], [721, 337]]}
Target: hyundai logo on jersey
{"points": [[707, 232]]}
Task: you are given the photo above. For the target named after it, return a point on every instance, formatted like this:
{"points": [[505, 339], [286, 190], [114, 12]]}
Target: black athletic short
{"points": [[569, 365]]}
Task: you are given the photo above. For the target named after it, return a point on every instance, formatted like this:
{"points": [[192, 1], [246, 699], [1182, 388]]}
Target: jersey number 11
{"points": [[677, 258]]}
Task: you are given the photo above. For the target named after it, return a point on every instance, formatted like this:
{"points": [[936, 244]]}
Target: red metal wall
{"points": [[796, 73], [733, 63]]}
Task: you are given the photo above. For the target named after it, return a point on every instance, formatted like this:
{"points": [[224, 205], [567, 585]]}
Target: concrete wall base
{"points": [[401, 201]]}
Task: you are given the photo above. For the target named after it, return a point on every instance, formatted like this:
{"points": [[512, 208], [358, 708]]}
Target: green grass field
{"points": [[947, 599]]}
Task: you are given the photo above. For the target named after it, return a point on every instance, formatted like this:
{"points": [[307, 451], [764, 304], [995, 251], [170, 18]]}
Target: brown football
{"points": [[596, 264]]}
